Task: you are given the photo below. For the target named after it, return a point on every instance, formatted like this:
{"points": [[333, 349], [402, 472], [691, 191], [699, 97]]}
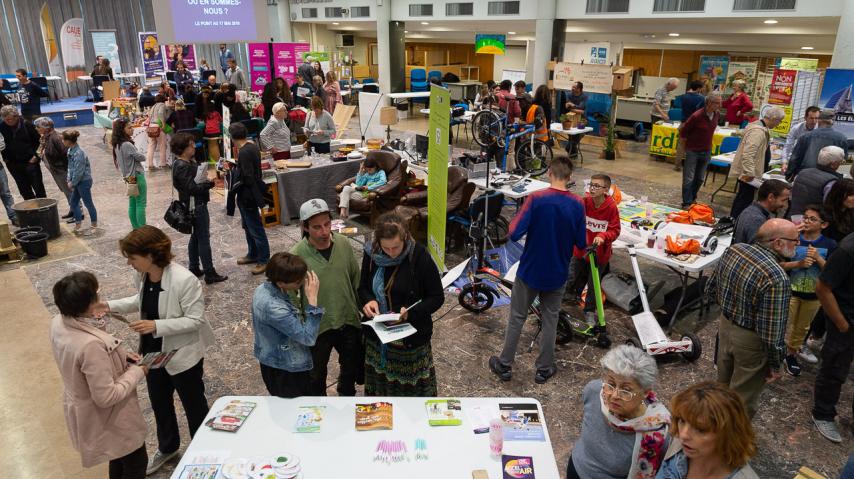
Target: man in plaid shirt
{"points": [[753, 291]]}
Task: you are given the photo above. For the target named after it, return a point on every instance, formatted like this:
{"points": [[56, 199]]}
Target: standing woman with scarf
{"points": [[398, 273], [624, 427]]}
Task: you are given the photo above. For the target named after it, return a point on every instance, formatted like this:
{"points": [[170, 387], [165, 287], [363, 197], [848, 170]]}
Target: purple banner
{"points": [[259, 66], [173, 53], [152, 55]]}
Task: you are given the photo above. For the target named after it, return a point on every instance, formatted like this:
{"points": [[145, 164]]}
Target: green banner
{"points": [[437, 172]]}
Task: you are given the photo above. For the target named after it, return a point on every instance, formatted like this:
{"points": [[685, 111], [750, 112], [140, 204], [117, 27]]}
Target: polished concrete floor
{"points": [[35, 442]]}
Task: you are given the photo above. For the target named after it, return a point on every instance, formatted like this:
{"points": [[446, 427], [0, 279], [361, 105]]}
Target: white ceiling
{"points": [[729, 34]]}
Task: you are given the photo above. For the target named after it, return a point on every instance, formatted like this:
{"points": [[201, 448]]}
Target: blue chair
{"points": [[677, 102], [675, 114], [369, 80], [597, 103], [729, 144], [418, 83], [434, 74], [343, 84], [459, 120]]}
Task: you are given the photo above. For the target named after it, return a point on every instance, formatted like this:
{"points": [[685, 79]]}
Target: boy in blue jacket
{"points": [[369, 178]]}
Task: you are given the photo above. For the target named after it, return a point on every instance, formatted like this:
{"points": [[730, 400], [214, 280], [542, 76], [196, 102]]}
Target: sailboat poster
{"points": [[836, 94]]}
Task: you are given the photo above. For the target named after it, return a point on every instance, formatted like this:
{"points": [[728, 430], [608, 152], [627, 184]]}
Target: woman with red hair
{"points": [[711, 435]]}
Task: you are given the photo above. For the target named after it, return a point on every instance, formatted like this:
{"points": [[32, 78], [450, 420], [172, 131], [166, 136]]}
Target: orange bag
{"points": [[702, 213], [615, 193], [682, 217], [677, 246]]}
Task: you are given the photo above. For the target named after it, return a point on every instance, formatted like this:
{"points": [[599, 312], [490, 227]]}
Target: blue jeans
{"points": [[693, 173], [199, 247], [256, 237], [83, 191], [6, 195]]}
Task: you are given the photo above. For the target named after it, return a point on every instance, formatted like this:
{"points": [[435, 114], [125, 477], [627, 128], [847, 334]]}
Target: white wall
{"points": [[576, 9], [513, 59]]}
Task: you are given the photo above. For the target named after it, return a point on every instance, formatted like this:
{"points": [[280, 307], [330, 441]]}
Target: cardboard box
{"points": [[622, 78]]}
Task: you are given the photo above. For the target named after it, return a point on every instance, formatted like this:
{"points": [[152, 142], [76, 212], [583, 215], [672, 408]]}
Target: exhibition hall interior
{"points": [[275, 239]]}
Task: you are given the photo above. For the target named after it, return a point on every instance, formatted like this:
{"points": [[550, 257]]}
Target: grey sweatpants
{"points": [[520, 300], [61, 179]]}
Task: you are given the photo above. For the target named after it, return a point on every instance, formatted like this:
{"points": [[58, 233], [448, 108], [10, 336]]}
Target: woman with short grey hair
{"points": [[53, 151], [738, 105], [624, 430]]}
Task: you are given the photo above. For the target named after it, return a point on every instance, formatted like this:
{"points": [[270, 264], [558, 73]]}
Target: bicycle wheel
{"points": [[475, 299], [498, 230], [534, 157], [487, 127]]}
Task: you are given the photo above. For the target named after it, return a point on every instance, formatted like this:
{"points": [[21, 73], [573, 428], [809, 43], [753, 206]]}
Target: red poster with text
{"points": [[782, 86], [259, 66]]}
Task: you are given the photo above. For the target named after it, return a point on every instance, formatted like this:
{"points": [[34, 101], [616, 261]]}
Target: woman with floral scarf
{"points": [[397, 274], [624, 427]]}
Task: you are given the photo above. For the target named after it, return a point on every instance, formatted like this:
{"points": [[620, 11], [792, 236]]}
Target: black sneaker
{"points": [[214, 277], [197, 272], [791, 365], [67, 215], [544, 375], [500, 370]]}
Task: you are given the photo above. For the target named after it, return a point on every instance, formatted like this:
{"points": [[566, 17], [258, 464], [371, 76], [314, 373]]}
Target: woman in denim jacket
{"points": [[285, 331], [79, 181]]}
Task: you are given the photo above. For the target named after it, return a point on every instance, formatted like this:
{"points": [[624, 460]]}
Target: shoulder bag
{"points": [[132, 188], [180, 216]]}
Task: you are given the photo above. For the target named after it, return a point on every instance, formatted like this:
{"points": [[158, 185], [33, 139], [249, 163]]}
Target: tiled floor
{"points": [[35, 442]]}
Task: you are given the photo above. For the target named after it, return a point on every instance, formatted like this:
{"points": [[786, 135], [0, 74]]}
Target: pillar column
{"points": [[543, 40], [397, 57], [284, 33], [383, 47], [843, 50]]}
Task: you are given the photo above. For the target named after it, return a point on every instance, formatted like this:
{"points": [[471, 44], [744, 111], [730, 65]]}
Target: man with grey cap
{"points": [[805, 154], [330, 256]]}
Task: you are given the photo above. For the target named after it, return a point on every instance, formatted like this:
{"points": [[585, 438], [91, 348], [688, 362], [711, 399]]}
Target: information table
{"points": [[531, 187], [665, 136], [338, 450]]}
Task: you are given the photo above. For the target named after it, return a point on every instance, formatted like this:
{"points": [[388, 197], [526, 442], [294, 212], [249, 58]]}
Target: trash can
{"points": [[402, 109], [39, 212]]}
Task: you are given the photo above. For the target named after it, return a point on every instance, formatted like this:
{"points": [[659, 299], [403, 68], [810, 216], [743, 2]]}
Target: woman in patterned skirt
{"points": [[398, 273]]}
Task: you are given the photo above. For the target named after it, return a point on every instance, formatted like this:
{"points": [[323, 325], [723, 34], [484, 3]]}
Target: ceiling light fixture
{"points": [[336, 23], [672, 34], [425, 23], [511, 33], [807, 48], [770, 22], [406, 31]]}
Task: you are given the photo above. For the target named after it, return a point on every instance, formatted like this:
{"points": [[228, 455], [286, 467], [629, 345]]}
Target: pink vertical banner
{"points": [[286, 59], [259, 66]]}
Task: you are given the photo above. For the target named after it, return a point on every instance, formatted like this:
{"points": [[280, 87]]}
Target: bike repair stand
{"points": [[652, 337]]}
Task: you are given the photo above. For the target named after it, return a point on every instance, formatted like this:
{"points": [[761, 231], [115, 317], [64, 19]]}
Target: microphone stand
{"points": [[363, 131]]}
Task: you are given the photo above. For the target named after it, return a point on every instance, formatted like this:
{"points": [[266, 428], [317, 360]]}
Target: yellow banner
{"points": [[783, 128], [799, 64], [664, 139]]}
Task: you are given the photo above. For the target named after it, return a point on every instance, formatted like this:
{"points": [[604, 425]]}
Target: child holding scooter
{"points": [[603, 227]]}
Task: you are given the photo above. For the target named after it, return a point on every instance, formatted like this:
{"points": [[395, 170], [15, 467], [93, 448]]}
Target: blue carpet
{"points": [[66, 104]]}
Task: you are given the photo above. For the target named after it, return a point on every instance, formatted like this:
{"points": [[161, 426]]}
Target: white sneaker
{"points": [[815, 344], [156, 461], [828, 430], [807, 355]]}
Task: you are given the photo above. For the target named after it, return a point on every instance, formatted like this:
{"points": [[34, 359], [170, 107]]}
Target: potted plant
{"points": [[569, 120], [606, 130]]}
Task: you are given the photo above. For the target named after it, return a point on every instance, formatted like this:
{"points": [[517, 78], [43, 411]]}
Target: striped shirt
{"points": [[753, 291]]}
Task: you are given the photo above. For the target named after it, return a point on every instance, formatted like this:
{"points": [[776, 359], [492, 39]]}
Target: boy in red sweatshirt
{"points": [[603, 227]]}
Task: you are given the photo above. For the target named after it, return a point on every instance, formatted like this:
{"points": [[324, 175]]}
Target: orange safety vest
{"points": [[542, 131]]}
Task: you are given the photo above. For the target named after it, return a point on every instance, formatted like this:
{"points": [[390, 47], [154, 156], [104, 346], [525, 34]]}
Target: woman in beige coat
{"points": [[101, 407], [171, 306]]}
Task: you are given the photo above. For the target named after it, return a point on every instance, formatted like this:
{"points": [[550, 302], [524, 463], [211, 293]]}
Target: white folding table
{"points": [[338, 450]]}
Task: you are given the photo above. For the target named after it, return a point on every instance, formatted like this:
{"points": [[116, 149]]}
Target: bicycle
{"points": [[489, 128]]}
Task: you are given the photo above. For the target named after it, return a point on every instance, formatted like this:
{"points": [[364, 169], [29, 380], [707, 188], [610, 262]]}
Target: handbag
{"points": [[132, 188], [179, 216], [153, 131]]}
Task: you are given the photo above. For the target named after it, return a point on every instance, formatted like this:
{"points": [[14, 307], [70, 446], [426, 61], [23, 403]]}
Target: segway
{"points": [[651, 337]]}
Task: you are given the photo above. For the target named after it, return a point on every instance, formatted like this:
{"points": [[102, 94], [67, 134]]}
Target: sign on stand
{"points": [[596, 78], [437, 172]]}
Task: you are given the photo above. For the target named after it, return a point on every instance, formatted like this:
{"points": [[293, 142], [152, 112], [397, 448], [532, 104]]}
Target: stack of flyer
{"points": [[232, 416]]}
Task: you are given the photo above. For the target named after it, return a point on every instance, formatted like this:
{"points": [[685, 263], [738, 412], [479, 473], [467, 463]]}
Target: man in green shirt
{"points": [[331, 258]]}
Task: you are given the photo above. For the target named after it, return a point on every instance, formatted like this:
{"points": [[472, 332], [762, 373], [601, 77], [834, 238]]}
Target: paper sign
{"points": [[596, 78], [782, 86], [799, 64]]}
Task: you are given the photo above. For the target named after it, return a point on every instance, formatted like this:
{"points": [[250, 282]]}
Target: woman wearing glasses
{"points": [[624, 427]]}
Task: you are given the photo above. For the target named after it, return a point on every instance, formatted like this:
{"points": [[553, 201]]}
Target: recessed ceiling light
{"points": [[406, 31], [770, 22], [807, 48], [673, 34], [511, 33], [425, 23], [336, 23]]}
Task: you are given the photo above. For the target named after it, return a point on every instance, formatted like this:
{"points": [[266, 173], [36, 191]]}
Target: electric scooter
{"points": [[651, 337]]}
